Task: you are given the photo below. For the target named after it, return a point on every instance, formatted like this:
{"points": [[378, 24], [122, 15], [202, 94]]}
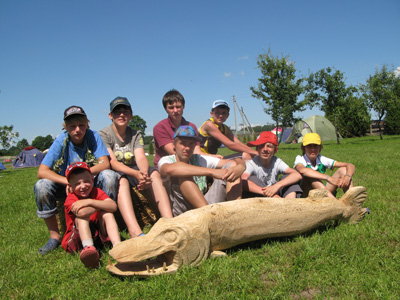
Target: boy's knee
{"points": [[45, 194], [108, 181]]}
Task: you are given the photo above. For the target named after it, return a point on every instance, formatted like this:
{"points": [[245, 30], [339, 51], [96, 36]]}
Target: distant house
{"points": [[374, 127]]}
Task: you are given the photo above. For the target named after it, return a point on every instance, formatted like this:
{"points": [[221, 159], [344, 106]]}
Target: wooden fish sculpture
{"points": [[200, 233]]}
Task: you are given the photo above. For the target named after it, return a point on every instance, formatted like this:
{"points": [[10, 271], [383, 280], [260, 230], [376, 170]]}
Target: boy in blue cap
{"points": [[185, 174]]}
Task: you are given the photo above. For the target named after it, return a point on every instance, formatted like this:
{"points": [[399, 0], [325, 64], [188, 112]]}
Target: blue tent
{"points": [[29, 157], [2, 167]]}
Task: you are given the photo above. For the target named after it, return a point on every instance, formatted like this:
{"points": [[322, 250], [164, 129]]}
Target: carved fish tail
{"points": [[354, 199]]}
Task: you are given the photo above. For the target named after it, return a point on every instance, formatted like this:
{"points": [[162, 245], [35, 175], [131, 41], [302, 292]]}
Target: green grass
{"points": [[333, 262]]}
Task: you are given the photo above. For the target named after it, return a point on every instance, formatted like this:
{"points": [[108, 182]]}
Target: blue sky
{"points": [[54, 53]]}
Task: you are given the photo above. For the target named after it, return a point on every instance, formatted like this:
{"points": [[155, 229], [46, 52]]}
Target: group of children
{"points": [[94, 172]]}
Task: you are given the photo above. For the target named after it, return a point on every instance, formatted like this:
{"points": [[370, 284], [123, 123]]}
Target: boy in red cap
{"points": [[312, 166], [261, 174], [88, 215]]}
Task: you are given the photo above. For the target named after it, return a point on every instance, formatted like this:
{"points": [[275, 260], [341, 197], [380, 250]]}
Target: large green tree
{"points": [[138, 124], [354, 117], [327, 90], [279, 88], [22, 144], [7, 135], [42, 143], [381, 91]]}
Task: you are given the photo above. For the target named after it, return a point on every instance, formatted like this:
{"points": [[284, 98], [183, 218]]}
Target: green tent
{"points": [[318, 124]]}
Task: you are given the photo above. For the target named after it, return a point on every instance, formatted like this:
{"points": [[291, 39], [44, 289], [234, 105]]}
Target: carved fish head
{"points": [[170, 244]]}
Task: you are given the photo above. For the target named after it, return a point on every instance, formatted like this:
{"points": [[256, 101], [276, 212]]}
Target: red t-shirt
{"points": [[163, 134], [96, 194]]}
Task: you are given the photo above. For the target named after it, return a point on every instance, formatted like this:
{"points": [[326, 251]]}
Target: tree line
{"points": [[7, 136], [346, 106]]}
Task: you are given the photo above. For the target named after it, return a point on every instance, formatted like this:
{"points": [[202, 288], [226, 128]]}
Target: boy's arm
{"points": [[169, 148], [44, 172], [292, 178], [310, 173], [86, 207], [235, 170], [347, 178], [229, 141], [143, 165], [250, 186], [103, 163], [181, 169]]}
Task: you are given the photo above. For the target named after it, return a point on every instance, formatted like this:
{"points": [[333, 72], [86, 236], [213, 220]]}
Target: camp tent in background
{"points": [[285, 133], [2, 167], [317, 124], [29, 157]]}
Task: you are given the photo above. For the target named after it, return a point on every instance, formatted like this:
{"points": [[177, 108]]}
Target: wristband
{"points": [[349, 176]]}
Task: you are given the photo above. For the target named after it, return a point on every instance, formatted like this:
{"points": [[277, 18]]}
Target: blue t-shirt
{"points": [[73, 153]]}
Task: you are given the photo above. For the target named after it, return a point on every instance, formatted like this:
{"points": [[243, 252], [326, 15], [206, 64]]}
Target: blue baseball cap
{"points": [[186, 131]]}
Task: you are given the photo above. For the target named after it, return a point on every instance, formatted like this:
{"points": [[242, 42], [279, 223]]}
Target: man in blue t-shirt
{"points": [[77, 143]]}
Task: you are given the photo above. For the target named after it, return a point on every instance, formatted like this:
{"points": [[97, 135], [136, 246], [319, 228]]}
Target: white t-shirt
{"points": [[268, 176], [321, 165], [204, 161]]}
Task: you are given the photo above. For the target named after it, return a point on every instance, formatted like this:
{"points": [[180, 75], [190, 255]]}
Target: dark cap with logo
{"points": [[74, 110]]}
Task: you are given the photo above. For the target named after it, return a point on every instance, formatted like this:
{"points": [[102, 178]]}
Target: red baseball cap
{"points": [[76, 165], [264, 137]]}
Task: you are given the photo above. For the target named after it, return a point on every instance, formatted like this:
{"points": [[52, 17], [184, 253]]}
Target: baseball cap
{"points": [[187, 132], [74, 166], [119, 101], [311, 138], [217, 103], [74, 110], [264, 137]]}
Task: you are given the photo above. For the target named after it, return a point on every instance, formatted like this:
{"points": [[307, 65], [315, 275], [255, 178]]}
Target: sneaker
{"points": [[51, 245], [90, 257]]}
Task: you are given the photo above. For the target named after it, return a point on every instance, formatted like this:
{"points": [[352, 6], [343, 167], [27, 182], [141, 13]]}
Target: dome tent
{"points": [[29, 157], [317, 124]]}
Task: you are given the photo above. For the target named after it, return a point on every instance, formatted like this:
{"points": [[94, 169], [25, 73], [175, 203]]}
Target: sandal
{"points": [[51, 245], [90, 257]]}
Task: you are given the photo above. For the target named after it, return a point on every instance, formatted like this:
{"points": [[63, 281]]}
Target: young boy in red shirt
{"points": [[88, 215]]}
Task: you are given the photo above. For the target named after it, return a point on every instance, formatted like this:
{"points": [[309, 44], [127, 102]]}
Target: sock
{"points": [[87, 243]]}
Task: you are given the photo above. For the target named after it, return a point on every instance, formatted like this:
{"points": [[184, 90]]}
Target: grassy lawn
{"points": [[333, 262]]}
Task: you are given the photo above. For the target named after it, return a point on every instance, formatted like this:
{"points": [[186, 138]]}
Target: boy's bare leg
{"points": [[308, 184], [52, 225], [191, 192], [340, 173], [291, 195], [160, 196], [234, 190], [125, 207], [109, 226], [84, 229]]}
